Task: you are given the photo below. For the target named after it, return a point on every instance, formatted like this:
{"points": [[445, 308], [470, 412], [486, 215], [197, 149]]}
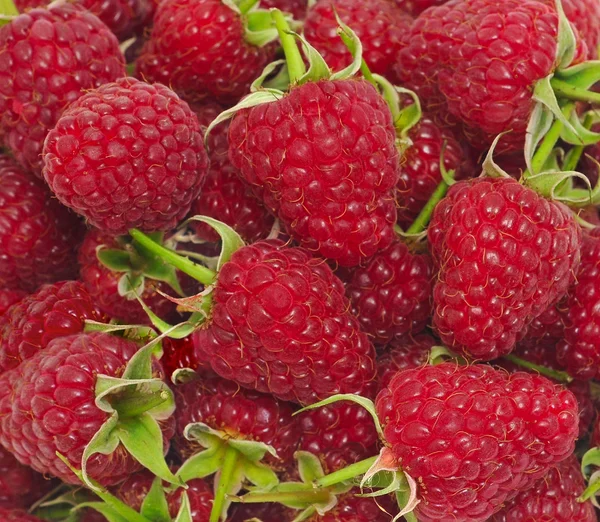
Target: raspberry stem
{"points": [[347, 473], [557, 375], [565, 90], [293, 57], [136, 405], [314, 496], [225, 482], [422, 220], [590, 491]]}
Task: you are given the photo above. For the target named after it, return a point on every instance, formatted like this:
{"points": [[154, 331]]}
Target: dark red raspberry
{"points": [[281, 324], [47, 58], [392, 294], [53, 311], [340, 434], [38, 236], [134, 490], [416, 7], [505, 255], [473, 437], [179, 353], [16, 515], [552, 499], [198, 48], [127, 155], [241, 413], [48, 406], [8, 298], [350, 508], [324, 160], [297, 8], [225, 197], [266, 512], [379, 24]]}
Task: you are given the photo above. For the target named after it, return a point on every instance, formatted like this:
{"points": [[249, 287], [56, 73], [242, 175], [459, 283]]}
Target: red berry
{"points": [[8, 298], [552, 499], [38, 236], [323, 159], [392, 294], [505, 255], [179, 353], [127, 155], [350, 508], [47, 58], [266, 512], [198, 48], [379, 24], [296, 7], [48, 406], [16, 515], [241, 413], [281, 324], [473, 437], [416, 7], [53, 311]]}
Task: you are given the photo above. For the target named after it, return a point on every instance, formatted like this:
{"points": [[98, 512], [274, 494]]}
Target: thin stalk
{"points": [[311, 496], [557, 375], [348, 473], [136, 405], [293, 57], [565, 90], [226, 476], [59, 512], [590, 491], [422, 220]]}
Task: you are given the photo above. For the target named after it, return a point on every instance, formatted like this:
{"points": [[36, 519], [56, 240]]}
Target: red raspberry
{"points": [[266, 512], [579, 351], [126, 155], [179, 353], [38, 236], [242, 414], [324, 160], [505, 254], [379, 24], [297, 8], [551, 499], [8, 298], [392, 294], [473, 436], [48, 405], [134, 490], [47, 58], [225, 197], [351, 508], [416, 7], [16, 515], [340, 435], [53, 311], [281, 324], [198, 48]]}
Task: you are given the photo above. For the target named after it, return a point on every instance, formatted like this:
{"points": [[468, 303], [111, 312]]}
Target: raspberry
{"points": [[53, 311], [266, 512], [473, 436], [16, 515], [281, 325], [379, 24], [505, 255], [179, 353], [198, 48], [9, 298], [47, 58], [416, 7], [296, 7], [391, 294], [351, 508], [127, 155], [323, 159], [38, 236]]}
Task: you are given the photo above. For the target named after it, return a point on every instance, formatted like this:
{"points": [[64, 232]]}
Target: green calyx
{"points": [[591, 458], [258, 29], [8, 11]]}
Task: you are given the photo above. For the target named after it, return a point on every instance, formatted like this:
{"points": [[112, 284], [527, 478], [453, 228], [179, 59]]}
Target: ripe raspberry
{"points": [[297, 8], [323, 159], [198, 48], [552, 499], [9, 298], [392, 294], [416, 7], [242, 414], [266, 512], [179, 353], [379, 24], [505, 255], [16, 515], [38, 236], [53, 311], [281, 324], [48, 405], [47, 58], [225, 197], [340, 434], [126, 155], [351, 508], [134, 490], [473, 436]]}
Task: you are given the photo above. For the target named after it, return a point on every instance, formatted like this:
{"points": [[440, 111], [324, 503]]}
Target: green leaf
{"points": [[185, 511], [155, 506], [253, 450], [257, 84], [582, 135], [140, 365], [591, 458], [355, 47], [105, 441], [309, 467], [115, 260], [567, 43], [259, 474], [539, 124], [131, 285], [582, 75], [259, 29], [105, 510], [202, 464]]}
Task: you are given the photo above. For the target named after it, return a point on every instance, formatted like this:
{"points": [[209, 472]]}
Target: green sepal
{"points": [[185, 510], [131, 285], [8, 11], [258, 28], [582, 76], [566, 44], [202, 464], [108, 512], [258, 84], [114, 259], [155, 506], [582, 135], [590, 458], [552, 185], [317, 66], [352, 41], [538, 126], [309, 466]]}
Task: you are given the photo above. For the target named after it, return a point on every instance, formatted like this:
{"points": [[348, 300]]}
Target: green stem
{"points": [[293, 57], [347, 473], [590, 491], [312, 496], [245, 5], [557, 375], [422, 220], [226, 476], [198, 272], [59, 512], [564, 90], [135, 405]]}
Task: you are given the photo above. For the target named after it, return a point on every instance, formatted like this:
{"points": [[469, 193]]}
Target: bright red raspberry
{"points": [[38, 236], [241, 413], [473, 437], [297, 8], [48, 406], [8, 298], [281, 324], [134, 490], [16, 515], [323, 159], [552, 499], [379, 24], [48, 57], [392, 294], [198, 48], [505, 255], [127, 155], [53, 311], [225, 196], [416, 7]]}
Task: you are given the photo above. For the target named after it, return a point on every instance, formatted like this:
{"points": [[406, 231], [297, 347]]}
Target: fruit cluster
{"points": [[299, 260]]}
